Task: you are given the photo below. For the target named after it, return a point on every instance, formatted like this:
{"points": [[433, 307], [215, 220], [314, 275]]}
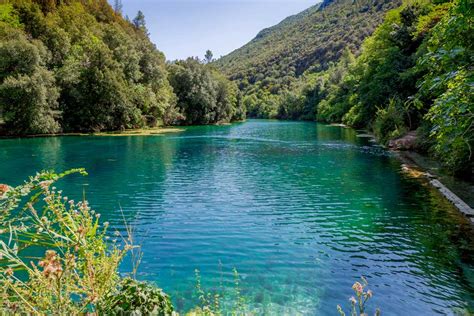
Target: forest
{"points": [[80, 66], [301, 44], [414, 73]]}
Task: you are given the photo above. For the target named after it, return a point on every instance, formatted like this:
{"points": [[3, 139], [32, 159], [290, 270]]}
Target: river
{"points": [[300, 209]]}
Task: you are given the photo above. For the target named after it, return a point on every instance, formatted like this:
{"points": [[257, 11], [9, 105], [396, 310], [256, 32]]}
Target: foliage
{"points": [[78, 273], [204, 95], [136, 298], [304, 43], [79, 66], [420, 56], [314, 89], [79, 267], [449, 85], [414, 71], [27, 89], [389, 122], [358, 303]]}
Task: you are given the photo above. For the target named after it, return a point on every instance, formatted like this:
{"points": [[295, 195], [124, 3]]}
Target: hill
{"points": [[308, 41]]}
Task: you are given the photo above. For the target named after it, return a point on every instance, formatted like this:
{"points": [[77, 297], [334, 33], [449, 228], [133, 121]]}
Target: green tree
{"points": [[448, 85], [95, 95], [208, 56], [28, 94], [203, 95], [139, 22], [118, 6]]}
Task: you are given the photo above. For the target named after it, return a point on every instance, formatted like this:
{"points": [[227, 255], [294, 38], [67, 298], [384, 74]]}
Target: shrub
{"points": [[136, 298], [389, 123], [79, 272]]}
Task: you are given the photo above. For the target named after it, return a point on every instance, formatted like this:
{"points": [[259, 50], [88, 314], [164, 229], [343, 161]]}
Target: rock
{"points": [[406, 142]]}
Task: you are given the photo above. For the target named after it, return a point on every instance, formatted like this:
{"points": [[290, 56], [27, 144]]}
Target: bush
{"points": [[78, 274], [389, 123], [136, 298]]}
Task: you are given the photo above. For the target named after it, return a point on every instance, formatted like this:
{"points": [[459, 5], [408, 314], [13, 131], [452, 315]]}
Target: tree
{"points": [[208, 56], [28, 94], [118, 6], [447, 83], [139, 22], [95, 96], [204, 95]]}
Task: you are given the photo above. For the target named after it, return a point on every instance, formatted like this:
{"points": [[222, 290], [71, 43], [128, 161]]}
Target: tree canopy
{"points": [[80, 66]]}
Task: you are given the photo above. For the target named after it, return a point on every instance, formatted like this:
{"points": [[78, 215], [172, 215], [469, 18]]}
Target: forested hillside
{"points": [[78, 65], [415, 73], [306, 42]]}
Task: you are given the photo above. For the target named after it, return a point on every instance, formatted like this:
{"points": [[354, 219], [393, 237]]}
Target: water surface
{"points": [[300, 209]]}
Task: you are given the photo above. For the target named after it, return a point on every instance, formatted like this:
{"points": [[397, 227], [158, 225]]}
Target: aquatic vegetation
{"points": [[217, 303]]}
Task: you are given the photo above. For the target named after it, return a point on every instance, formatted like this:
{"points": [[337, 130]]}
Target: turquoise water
{"points": [[300, 209]]}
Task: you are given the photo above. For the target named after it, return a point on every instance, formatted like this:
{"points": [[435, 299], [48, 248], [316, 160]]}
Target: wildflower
{"points": [[9, 272], [4, 188], [81, 231], [106, 224], [358, 288], [353, 300], [3, 191], [369, 293], [93, 298], [51, 265], [45, 184]]}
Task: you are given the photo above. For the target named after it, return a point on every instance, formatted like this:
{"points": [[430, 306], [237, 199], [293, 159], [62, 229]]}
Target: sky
{"points": [[183, 28]]}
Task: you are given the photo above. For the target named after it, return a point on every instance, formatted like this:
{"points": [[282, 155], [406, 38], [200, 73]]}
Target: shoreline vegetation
{"points": [[410, 76], [81, 67], [153, 131], [128, 84]]}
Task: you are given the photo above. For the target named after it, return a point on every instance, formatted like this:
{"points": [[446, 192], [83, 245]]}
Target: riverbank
{"points": [[128, 132], [457, 191]]}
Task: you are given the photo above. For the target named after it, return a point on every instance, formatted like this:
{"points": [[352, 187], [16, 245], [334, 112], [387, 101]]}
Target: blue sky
{"points": [[182, 28]]}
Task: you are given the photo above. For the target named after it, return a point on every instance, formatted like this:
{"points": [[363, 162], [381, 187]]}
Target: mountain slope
{"points": [[309, 40]]}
